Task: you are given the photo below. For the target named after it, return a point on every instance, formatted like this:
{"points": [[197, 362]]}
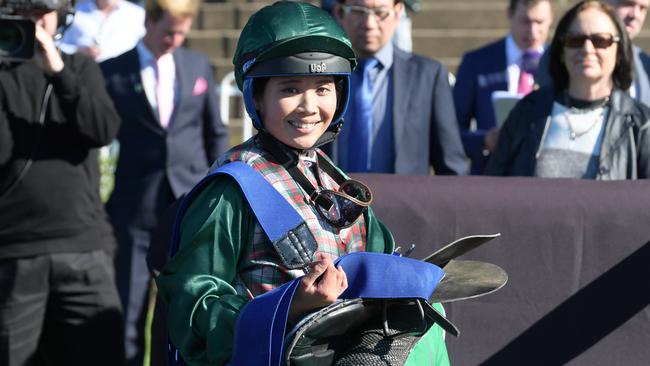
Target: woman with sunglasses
{"points": [[293, 64], [588, 126]]}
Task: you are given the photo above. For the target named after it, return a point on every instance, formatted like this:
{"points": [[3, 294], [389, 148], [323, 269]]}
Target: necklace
{"points": [[582, 108], [576, 133]]}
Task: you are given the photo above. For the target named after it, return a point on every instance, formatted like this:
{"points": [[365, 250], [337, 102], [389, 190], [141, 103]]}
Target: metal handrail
{"points": [[227, 89]]}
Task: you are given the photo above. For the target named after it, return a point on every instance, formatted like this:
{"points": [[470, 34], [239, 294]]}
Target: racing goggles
{"points": [[343, 207]]}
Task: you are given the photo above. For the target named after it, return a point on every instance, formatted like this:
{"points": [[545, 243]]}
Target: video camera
{"points": [[17, 32]]}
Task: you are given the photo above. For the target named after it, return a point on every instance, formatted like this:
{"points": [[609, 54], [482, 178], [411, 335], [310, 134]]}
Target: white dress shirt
{"points": [[513, 60], [113, 34], [148, 73]]}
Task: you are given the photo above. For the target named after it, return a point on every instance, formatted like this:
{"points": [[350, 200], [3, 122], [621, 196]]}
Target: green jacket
{"points": [[199, 282]]}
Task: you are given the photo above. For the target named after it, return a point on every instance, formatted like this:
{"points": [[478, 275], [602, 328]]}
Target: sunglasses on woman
{"points": [[343, 207], [599, 40]]}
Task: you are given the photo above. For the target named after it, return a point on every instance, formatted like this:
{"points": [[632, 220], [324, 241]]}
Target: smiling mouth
{"points": [[303, 125]]}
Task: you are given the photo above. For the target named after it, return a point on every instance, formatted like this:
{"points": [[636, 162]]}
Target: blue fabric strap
{"points": [[386, 276], [261, 325], [279, 220], [275, 215]]}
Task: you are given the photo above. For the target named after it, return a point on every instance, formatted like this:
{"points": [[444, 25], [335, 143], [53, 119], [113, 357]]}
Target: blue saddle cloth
{"points": [[261, 326]]}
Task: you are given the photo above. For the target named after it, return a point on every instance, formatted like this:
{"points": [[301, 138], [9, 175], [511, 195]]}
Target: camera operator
{"points": [[58, 300]]}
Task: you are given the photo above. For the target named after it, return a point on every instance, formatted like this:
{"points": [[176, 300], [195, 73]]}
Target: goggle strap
{"points": [[282, 156], [330, 169], [313, 194], [290, 162]]}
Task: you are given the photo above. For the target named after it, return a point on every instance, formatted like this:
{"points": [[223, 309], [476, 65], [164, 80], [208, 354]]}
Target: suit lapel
{"points": [[641, 81], [183, 80], [502, 65], [402, 78], [140, 97]]}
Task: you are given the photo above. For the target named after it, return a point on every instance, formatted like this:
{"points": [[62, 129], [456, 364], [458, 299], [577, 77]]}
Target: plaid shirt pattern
{"points": [[262, 269]]}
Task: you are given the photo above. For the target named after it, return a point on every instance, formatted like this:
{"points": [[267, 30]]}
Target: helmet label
{"points": [[317, 68], [247, 65]]}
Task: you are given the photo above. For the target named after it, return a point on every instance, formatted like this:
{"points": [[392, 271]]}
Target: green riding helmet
{"points": [[293, 38]]}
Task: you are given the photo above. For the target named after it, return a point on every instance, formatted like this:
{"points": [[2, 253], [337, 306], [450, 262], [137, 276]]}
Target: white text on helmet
{"points": [[317, 68]]}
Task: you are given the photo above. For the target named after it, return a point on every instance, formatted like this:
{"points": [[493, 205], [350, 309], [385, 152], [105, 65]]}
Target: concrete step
{"points": [[222, 66], [442, 30], [477, 14], [446, 46], [449, 15], [440, 43], [225, 15], [437, 43], [214, 43]]}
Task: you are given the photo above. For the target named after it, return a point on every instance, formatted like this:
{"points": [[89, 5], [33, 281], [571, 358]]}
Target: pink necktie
{"points": [[525, 83], [165, 88], [528, 67]]}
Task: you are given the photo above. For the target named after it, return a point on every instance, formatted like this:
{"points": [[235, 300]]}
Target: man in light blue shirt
{"points": [[104, 28]]}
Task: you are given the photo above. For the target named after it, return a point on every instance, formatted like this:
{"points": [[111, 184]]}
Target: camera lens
{"points": [[12, 39], [17, 36]]}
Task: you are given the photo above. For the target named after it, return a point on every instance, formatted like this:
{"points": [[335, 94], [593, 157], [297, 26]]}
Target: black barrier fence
{"points": [[576, 253]]}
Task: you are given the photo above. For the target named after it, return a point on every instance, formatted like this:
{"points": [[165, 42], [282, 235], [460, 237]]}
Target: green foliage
{"points": [[107, 163]]}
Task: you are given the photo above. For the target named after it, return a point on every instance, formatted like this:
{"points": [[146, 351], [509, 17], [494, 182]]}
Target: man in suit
{"points": [[508, 65], [409, 120], [171, 133], [633, 13]]}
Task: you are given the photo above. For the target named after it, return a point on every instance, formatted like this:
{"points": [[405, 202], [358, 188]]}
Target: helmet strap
{"points": [[329, 135]]}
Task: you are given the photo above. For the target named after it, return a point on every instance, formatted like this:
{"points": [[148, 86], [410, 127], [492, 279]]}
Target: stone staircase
{"points": [[443, 30]]}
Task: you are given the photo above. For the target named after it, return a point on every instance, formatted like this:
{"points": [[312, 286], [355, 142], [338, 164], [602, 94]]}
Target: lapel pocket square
{"points": [[200, 86]]}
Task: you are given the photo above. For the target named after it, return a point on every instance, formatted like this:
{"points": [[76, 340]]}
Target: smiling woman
{"points": [[588, 126], [298, 110], [293, 64]]}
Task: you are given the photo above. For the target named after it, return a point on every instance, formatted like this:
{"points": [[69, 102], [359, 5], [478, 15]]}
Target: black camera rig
{"points": [[17, 31]]}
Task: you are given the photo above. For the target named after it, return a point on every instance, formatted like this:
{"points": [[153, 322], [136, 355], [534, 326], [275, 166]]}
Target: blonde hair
{"points": [[176, 8]]}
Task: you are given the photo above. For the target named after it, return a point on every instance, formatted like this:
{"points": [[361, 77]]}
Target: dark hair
{"points": [[512, 5], [622, 75], [258, 87]]}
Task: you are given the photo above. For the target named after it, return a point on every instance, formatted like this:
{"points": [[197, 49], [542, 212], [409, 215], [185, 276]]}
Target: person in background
{"points": [[505, 65], [401, 119], [402, 37], [58, 300], [171, 133], [587, 126], [224, 259], [104, 29], [632, 14]]}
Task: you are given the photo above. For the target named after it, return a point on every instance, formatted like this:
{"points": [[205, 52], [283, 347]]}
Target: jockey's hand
{"points": [[319, 288]]}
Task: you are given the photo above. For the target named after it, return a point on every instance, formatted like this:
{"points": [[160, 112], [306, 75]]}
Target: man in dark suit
{"points": [[501, 65], [633, 13], [171, 133], [410, 122]]}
